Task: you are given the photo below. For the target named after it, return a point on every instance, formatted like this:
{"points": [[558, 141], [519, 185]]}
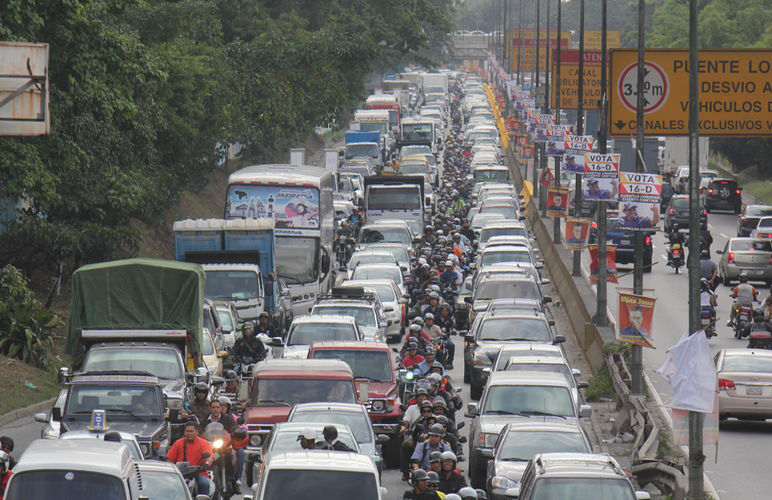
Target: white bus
{"points": [[300, 200]]}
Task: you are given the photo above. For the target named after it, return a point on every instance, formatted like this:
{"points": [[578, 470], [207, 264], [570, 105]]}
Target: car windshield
{"points": [[750, 364], [413, 169], [116, 399], [415, 151], [379, 234], [507, 290], [421, 132], [231, 285], [365, 316], [226, 320], [163, 363], [370, 259], [287, 440], [358, 422], [370, 364], [385, 292], [480, 220], [750, 245], [308, 333], [376, 273], [758, 211], [515, 329], [534, 399], [582, 488], [399, 253], [491, 175], [354, 150], [499, 256], [297, 259], [543, 368], [682, 203], [522, 445], [394, 198], [308, 484], [68, 485], [507, 211], [302, 390], [489, 232], [158, 485]]}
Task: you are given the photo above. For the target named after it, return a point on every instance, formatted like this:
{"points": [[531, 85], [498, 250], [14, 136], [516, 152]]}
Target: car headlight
{"points": [[487, 439], [502, 482], [217, 444], [378, 406], [256, 440]]}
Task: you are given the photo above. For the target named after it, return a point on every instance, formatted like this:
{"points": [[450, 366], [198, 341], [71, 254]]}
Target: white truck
{"points": [[676, 154], [396, 197], [435, 82]]}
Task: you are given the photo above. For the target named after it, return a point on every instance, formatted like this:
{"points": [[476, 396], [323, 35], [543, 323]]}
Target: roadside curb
{"points": [[26, 411]]}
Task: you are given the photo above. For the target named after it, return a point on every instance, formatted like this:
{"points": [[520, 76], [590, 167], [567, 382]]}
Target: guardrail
{"points": [[633, 416]]}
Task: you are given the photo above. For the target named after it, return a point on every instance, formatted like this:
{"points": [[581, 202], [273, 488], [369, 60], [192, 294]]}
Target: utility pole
{"points": [[696, 455], [601, 319], [520, 45], [577, 263], [505, 61], [637, 368], [556, 83]]}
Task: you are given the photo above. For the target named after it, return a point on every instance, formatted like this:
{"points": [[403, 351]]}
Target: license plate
{"points": [[624, 242], [754, 391]]}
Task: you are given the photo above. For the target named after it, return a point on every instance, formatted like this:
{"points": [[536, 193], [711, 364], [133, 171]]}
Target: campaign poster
{"points": [[526, 152], [557, 202], [547, 177], [611, 263], [540, 135], [577, 231], [554, 147], [601, 177], [573, 163], [636, 319], [294, 207], [578, 143], [639, 198]]}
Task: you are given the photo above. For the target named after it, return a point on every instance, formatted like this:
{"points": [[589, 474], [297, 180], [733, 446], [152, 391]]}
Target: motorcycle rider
{"points": [[412, 358], [263, 325], [708, 298], [708, 268], [413, 412], [743, 294], [199, 407], [216, 416], [435, 462], [674, 237], [5, 471], [190, 448], [248, 347], [420, 489], [416, 429], [450, 480], [7, 445], [445, 320], [432, 330], [420, 457], [331, 442], [434, 482]]}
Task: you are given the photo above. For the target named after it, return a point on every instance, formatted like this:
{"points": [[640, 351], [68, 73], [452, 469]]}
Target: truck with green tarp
{"points": [[139, 315]]}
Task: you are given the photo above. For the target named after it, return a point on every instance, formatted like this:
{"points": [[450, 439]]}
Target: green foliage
{"points": [[601, 387], [26, 327], [142, 92]]}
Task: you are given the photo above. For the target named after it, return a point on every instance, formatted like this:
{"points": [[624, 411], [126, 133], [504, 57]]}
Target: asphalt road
{"points": [[742, 470]]}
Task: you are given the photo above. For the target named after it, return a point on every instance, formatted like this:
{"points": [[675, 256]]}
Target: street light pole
{"points": [[556, 82], [520, 45], [577, 263], [601, 319]]}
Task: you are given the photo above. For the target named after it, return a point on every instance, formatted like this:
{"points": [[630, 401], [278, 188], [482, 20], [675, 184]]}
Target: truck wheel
{"points": [[391, 453]]}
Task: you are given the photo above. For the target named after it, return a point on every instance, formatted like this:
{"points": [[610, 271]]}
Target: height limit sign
{"points": [[735, 92]]}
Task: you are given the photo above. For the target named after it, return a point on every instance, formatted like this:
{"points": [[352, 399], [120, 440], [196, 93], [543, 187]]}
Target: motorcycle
{"points": [[223, 464], [675, 256], [743, 319], [189, 473], [708, 320]]}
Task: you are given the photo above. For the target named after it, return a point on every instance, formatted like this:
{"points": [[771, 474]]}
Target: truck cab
{"points": [[279, 384], [397, 198], [131, 402]]}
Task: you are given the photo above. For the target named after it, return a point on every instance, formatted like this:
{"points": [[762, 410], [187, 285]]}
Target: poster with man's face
{"points": [[577, 231], [611, 263], [555, 148], [600, 188], [636, 318], [573, 163], [557, 202]]}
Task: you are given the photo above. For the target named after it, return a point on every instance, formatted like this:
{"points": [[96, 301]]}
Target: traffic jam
{"points": [[379, 327]]}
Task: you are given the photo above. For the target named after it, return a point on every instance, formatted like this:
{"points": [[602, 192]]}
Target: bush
{"points": [[26, 327], [601, 387]]}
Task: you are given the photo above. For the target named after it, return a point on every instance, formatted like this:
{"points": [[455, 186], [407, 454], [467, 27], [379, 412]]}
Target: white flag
{"points": [[690, 370]]}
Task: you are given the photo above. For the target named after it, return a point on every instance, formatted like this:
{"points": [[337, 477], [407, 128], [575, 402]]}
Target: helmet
{"points": [[434, 478], [201, 387], [411, 346], [452, 496], [467, 492], [449, 455], [224, 400], [437, 364], [705, 283], [436, 288], [429, 350], [231, 376], [426, 404], [421, 391], [442, 420], [434, 456], [435, 377], [704, 254], [743, 277], [674, 226], [415, 327], [434, 295], [436, 430], [330, 432], [419, 475], [439, 401], [240, 432], [418, 320], [428, 316], [481, 495]]}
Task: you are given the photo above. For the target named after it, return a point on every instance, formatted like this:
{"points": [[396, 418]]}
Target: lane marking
{"points": [[725, 236]]}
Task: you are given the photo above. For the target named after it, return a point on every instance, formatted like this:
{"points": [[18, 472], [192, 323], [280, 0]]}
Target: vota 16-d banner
{"points": [[636, 319], [639, 198], [611, 263], [601, 177], [574, 148]]}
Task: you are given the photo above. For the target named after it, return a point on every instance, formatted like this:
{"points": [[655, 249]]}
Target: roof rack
{"points": [[351, 292]]}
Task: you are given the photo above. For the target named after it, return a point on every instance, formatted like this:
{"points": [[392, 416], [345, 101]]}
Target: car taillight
{"points": [[725, 384], [710, 191], [648, 239], [704, 212], [737, 191], [731, 257], [672, 211]]}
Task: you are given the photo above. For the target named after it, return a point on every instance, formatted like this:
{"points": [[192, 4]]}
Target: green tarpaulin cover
{"points": [[146, 294]]}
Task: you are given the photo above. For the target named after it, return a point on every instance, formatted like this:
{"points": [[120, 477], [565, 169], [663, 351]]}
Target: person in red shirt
{"points": [[5, 472], [412, 358], [190, 448]]}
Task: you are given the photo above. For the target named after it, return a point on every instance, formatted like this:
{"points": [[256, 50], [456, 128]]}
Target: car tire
{"points": [[477, 476]]}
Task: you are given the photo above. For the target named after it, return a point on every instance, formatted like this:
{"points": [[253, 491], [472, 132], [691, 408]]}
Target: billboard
{"points": [[294, 207]]}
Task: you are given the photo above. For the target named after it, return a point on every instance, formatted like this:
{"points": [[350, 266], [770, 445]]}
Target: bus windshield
{"points": [[419, 132], [297, 259], [365, 149], [291, 206], [399, 198], [383, 128]]}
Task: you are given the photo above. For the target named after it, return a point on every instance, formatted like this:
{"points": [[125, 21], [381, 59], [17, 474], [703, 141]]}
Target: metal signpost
{"points": [[577, 262]]}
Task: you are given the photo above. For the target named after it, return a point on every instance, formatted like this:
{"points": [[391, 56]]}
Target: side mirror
{"points": [[325, 263], [551, 322], [486, 453], [63, 376], [205, 497], [509, 492], [276, 342], [460, 426], [382, 439], [469, 338], [559, 339], [547, 299], [472, 410], [720, 252], [642, 495], [546, 281], [576, 372], [227, 329], [468, 300], [402, 301], [41, 417], [585, 411], [56, 413], [582, 385], [539, 264]]}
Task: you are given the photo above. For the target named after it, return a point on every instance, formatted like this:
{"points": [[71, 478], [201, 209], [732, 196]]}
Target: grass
{"points": [[601, 387], [752, 181], [17, 393]]}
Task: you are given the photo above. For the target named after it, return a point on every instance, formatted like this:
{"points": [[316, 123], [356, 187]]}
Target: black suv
{"points": [[723, 194], [678, 213], [624, 240]]}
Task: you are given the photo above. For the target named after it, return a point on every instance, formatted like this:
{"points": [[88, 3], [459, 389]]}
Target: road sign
{"points": [[24, 89], [525, 43], [592, 39], [735, 92], [569, 78]]}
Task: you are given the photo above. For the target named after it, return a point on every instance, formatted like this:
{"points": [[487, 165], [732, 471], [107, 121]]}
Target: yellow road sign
{"points": [[569, 79], [592, 39], [735, 92]]}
